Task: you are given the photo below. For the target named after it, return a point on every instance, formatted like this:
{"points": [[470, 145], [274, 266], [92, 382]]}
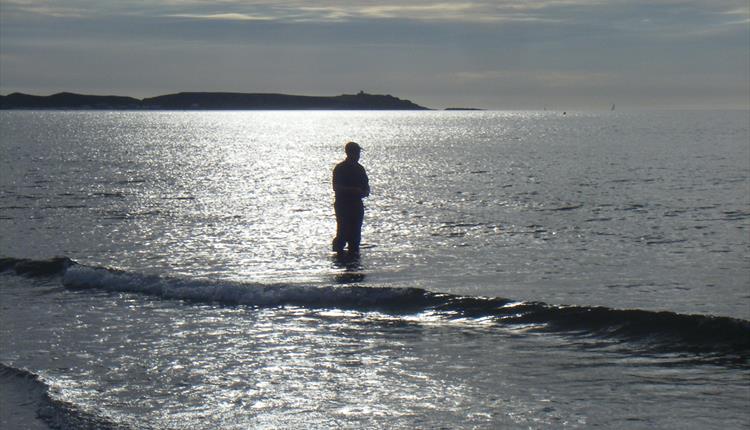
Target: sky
{"points": [[501, 54]]}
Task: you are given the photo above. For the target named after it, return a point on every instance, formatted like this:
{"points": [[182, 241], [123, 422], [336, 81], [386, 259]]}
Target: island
{"points": [[208, 101]]}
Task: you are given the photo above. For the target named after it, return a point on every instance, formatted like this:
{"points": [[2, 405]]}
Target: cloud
{"points": [[547, 78], [221, 16], [739, 16], [42, 8], [493, 49], [334, 11], [435, 11], [613, 12]]}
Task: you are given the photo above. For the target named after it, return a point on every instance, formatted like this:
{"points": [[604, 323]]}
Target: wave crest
{"points": [[666, 331], [57, 413], [35, 268]]}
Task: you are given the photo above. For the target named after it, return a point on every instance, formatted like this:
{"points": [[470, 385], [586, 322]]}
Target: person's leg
{"points": [[340, 240], [354, 237]]}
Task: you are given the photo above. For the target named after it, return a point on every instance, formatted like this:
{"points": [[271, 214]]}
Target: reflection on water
{"points": [[169, 364], [641, 210], [630, 210], [349, 268], [349, 277]]}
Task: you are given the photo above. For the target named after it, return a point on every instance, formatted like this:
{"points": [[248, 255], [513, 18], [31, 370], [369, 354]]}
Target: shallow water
{"points": [[644, 210], [171, 364], [229, 311]]}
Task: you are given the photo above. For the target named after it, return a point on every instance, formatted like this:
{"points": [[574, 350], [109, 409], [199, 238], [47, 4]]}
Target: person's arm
{"points": [[356, 191], [365, 190]]}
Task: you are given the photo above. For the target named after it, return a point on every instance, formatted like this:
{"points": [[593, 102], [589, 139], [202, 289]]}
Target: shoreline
{"points": [[209, 101]]}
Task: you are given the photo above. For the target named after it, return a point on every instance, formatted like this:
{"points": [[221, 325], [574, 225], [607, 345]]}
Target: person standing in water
{"points": [[350, 186]]}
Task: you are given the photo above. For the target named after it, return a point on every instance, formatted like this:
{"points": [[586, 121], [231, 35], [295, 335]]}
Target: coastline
{"points": [[208, 101]]}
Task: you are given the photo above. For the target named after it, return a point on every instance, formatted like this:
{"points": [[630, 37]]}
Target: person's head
{"points": [[352, 150]]}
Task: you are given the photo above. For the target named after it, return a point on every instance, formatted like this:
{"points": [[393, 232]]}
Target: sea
{"points": [[519, 270]]}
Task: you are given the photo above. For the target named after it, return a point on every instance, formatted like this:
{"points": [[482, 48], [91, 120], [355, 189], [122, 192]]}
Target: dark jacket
{"points": [[350, 182]]}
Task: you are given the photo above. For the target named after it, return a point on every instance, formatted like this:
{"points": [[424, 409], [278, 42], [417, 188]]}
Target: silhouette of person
{"points": [[350, 186]]}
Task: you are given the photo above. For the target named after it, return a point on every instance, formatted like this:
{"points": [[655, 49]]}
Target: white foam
{"points": [[206, 290]]}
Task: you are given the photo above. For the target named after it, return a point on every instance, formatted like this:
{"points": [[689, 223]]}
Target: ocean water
{"points": [[172, 270]]}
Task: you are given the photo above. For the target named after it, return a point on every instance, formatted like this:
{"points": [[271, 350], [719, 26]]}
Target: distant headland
{"points": [[209, 101]]}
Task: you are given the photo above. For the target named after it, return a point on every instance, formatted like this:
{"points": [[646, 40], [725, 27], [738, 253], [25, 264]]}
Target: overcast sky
{"points": [[503, 54]]}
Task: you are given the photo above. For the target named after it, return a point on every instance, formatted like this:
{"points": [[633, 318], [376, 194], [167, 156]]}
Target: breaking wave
{"points": [[667, 331], [35, 395]]}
